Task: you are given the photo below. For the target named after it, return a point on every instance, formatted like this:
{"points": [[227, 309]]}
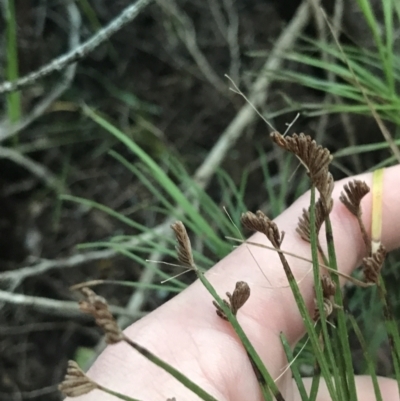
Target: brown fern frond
{"points": [[97, 307], [76, 382], [184, 247], [352, 194]]}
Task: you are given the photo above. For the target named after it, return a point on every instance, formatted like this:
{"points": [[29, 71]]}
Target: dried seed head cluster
{"points": [[328, 293], [351, 197], [97, 307], [373, 265], [304, 224], [76, 382], [314, 157], [236, 300], [184, 247], [261, 223]]}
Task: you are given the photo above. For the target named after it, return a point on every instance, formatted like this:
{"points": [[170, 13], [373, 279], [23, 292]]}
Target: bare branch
{"points": [[54, 306], [35, 168], [258, 95], [7, 130], [15, 277], [128, 15], [187, 34]]}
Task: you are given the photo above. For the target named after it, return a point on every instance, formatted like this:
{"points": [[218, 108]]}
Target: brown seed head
{"points": [[239, 297], [98, 308], [314, 157], [261, 223], [184, 247], [328, 286], [76, 382], [373, 265], [352, 194], [304, 226]]}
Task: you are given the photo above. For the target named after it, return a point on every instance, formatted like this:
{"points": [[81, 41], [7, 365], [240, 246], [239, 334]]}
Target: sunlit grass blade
{"points": [[377, 198]]}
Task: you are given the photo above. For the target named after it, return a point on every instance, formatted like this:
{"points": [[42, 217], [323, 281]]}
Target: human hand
{"points": [[187, 333]]}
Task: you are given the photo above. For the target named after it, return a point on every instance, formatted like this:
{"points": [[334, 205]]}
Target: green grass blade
{"points": [[334, 391], [341, 317], [294, 368], [161, 177], [392, 330], [370, 362], [268, 380], [196, 389], [92, 204], [117, 394], [123, 250], [315, 386], [372, 22]]}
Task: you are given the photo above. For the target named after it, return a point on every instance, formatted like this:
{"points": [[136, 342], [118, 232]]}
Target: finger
{"points": [[365, 390], [282, 310], [187, 333]]}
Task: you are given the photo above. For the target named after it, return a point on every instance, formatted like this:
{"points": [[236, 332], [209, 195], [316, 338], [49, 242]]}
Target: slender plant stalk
{"points": [[267, 378], [314, 386], [370, 362], [392, 330], [341, 318], [172, 371], [117, 394], [376, 230], [293, 367], [320, 302]]}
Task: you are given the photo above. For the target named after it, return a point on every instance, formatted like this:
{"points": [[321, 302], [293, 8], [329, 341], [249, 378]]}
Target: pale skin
{"points": [[187, 333]]}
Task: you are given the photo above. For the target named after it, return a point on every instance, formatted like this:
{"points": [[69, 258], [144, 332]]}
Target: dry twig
{"points": [[52, 306], [7, 130], [58, 64], [258, 95]]}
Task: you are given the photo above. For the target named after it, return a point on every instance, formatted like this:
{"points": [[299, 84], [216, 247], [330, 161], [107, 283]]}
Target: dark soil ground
{"points": [[143, 74]]}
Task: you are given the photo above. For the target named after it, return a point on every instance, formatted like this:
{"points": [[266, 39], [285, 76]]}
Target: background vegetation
{"points": [[108, 151]]}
